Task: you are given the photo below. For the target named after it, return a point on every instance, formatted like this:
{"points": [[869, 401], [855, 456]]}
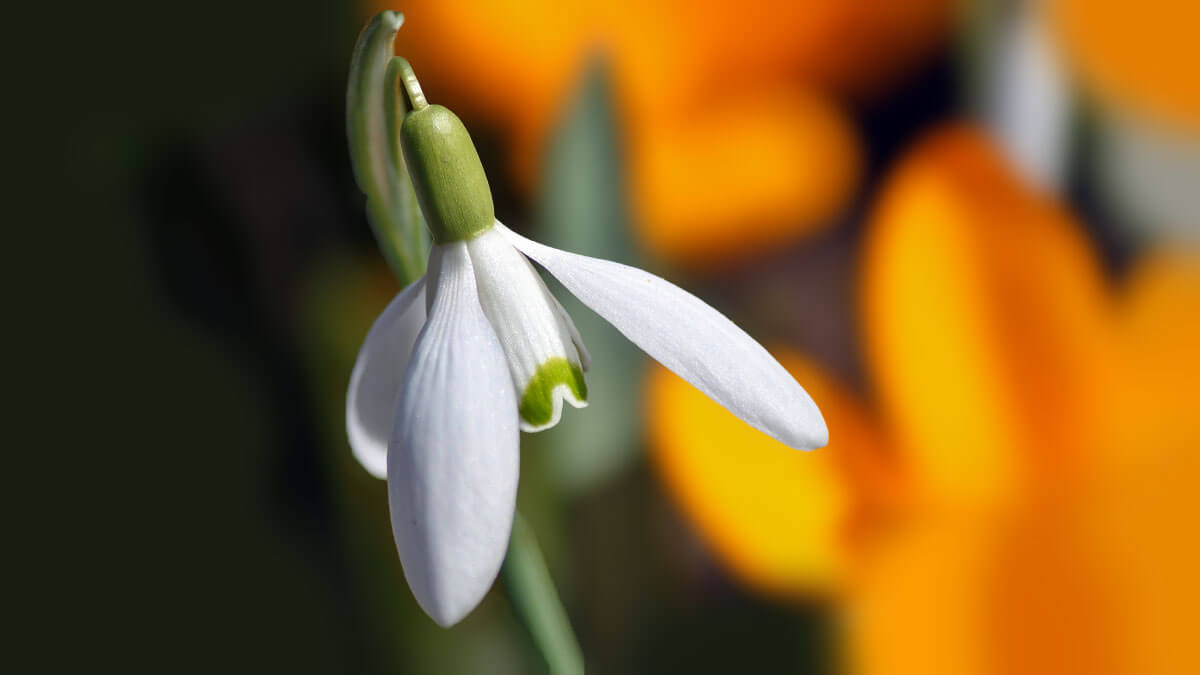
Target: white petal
{"points": [[453, 455], [378, 371], [694, 340], [538, 338]]}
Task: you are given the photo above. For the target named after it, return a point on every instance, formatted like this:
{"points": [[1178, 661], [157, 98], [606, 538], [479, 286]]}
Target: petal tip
{"points": [[818, 439], [449, 582], [811, 434], [447, 612]]}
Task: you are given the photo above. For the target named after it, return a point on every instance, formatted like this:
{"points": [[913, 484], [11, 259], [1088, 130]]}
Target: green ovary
{"points": [[537, 403]]}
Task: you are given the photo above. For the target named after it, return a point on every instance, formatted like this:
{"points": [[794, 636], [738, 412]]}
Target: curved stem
{"points": [[395, 108], [400, 73]]}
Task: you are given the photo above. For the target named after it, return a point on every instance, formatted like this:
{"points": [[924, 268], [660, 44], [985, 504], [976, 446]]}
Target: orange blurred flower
{"points": [[1144, 55], [1098, 578], [734, 135], [987, 333], [717, 186], [984, 322], [1159, 332], [1024, 500]]}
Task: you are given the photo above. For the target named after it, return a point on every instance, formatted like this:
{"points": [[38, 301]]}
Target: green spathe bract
{"points": [[447, 174], [373, 114], [537, 402]]}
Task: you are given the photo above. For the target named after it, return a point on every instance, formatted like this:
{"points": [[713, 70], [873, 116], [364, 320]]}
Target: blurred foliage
{"points": [[582, 208]]}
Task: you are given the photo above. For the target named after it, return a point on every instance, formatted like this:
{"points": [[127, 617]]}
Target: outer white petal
{"points": [[694, 340], [453, 455], [378, 371], [537, 336]]}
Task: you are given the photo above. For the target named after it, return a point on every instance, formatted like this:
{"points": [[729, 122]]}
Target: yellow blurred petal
{"points": [[743, 176], [776, 517], [1143, 55], [984, 320]]}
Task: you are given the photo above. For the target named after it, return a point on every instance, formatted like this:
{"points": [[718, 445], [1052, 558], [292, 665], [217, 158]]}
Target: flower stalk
{"points": [[400, 74], [535, 601]]}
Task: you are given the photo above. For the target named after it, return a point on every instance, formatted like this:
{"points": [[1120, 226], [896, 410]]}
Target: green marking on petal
{"points": [[537, 403]]}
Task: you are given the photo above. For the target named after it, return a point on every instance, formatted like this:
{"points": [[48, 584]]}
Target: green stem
{"points": [[395, 108], [536, 603], [400, 69]]}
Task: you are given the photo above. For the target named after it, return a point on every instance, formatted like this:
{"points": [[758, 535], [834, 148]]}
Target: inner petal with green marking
{"points": [[545, 355], [556, 380]]}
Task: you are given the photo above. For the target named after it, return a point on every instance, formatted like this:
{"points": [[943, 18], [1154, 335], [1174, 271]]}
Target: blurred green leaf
{"points": [[1146, 171], [371, 111], [583, 208]]}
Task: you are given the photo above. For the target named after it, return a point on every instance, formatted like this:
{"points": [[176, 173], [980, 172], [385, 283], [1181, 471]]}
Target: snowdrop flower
{"points": [[477, 350]]}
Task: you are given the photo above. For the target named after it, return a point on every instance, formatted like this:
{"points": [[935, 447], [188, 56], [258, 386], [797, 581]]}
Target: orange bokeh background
{"points": [[1006, 485]]}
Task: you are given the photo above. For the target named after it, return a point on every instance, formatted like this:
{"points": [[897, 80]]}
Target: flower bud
{"points": [[451, 187]]}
